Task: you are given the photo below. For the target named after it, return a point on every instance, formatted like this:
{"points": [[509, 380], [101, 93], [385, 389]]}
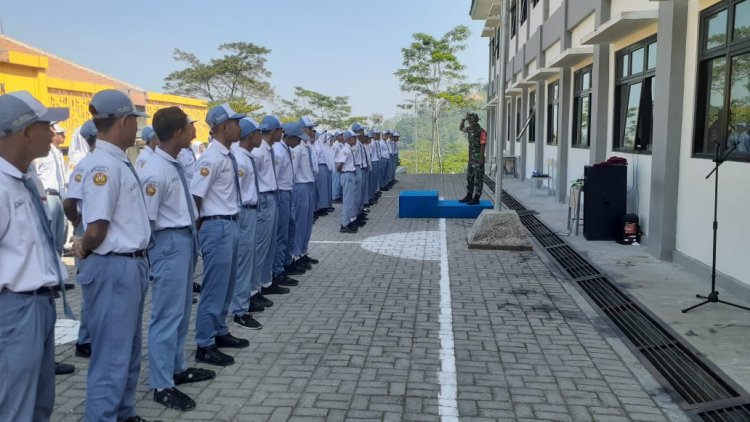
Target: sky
{"points": [[336, 47]]}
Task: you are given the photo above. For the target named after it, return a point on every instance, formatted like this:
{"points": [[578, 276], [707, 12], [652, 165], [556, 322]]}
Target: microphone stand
{"points": [[713, 296]]}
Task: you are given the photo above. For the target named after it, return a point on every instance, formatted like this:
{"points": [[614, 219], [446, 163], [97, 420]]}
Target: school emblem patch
{"points": [[78, 178], [150, 189], [241, 173], [100, 179], [204, 171]]}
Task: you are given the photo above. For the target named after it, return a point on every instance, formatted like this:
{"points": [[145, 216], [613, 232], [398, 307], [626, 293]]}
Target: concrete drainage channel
{"points": [[701, 389]]}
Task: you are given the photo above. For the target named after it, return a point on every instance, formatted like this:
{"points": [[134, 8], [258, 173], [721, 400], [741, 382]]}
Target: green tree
{"points": [[327, 111], [431, 69], [239, 77]]}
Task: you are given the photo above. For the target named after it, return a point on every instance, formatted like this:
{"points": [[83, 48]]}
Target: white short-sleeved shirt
{"points": [[374, 151], [336, 150], [51, 170], [264, 167], [391, 148], [166, 202], [215, 181], [365, 152], [383, 147], [188, 160], [284, 170], [246, 173], [313, 154], [395, 148], [302, 160], [346, 156], [111, 192], [321, 151], [143, 157], [75, 182], [26, 259], [356, 153]]}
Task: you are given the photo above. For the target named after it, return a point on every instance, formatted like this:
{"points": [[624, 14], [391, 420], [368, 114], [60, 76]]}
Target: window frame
{"points": [[519, 106], [622, 86], [512, 15], [531, 131], [578, 95], [524, 15], [728, 51], [534, 3], [552, 102]]}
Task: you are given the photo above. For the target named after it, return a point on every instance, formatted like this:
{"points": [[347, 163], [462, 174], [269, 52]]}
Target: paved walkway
{"points": [[367, 336]]}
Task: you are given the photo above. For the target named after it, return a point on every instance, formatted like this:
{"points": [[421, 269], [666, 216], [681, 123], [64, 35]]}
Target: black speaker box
{"points": [[605, 199]]}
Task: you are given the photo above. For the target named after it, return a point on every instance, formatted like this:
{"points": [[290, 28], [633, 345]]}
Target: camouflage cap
{"points": [[472, 117]]}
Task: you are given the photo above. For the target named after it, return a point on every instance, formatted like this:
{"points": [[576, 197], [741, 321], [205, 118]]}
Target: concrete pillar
{"points": [[668, 104], [600, 91], [563, 127], [541, 117], [513, 125]]}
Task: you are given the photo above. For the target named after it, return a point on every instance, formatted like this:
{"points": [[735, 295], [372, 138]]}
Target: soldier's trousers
{"points": [[474, 178]]}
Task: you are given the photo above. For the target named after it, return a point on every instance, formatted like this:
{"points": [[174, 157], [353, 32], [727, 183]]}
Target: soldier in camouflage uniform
{"points": [[475, 170]]}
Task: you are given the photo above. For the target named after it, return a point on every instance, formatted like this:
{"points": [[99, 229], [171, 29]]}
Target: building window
{"points": [[634, 96], [553, 109], [518, 119], [524, 10], [723, 102], [582, 108], [532, 117], [512, 15]]}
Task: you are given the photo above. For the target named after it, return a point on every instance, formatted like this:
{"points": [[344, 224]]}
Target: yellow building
{"points": [[57, 82]]}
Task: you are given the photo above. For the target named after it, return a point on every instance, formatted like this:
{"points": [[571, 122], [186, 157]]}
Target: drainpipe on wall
{"points": [[501, 106]]}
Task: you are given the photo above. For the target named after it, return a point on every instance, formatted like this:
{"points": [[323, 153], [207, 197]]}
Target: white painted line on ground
{"points": [[448, 398], [333, 242], [66, 331]]}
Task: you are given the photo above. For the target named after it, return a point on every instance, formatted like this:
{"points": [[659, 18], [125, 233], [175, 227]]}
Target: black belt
{"points": [[53, 192], [250, 207], [42, 291], [269, 192], [221, 217], [174, 228], [321, 164], [353, 171], [137, 254]]}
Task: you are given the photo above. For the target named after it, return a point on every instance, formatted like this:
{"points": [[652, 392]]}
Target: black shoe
{"points": [[466, 198], [248, 322], [283, 280], [229, 341], [274, 289], [83, 350], [195, 300], [474, 200], [254, 308], [261, 300], [193, 375], [358, 223], [213, 356], [331, 209], [174, 399], [348, 229], [292, 269], [304, 265], [64, 368], [306, 258], [196, 287], [337, 201]]}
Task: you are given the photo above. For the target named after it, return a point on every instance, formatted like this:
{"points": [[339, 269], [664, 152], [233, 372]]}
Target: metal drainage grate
{"points": [[736, 413], [707, 393]]}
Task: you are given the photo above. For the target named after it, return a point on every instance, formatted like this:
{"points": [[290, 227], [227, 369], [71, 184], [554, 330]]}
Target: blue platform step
{"points": [[427, 204]]}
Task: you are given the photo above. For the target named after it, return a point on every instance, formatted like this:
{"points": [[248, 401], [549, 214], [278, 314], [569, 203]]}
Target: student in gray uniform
{"points": [[27, 307], [346, 168], [113, 268]]}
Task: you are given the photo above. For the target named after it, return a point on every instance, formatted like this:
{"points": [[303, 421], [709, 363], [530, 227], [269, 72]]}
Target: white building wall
{"points": [[619, 6], [587, 26], [552, 53], [554, 5], [536, 18], [695, 194]]}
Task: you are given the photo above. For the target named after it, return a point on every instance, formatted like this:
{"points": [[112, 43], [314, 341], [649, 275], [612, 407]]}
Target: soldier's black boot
{"points": [[466, 198], [474, 200]]}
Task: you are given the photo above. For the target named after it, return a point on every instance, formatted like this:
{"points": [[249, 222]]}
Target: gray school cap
{"points": [[18, 110], [113, 103]]}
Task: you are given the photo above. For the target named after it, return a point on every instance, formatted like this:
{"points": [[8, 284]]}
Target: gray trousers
{"points": [[349, 209], [57, 220], [27, 356]]}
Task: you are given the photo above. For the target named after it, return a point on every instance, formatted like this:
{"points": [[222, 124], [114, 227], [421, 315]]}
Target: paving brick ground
{"points": [[358, 339]]}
